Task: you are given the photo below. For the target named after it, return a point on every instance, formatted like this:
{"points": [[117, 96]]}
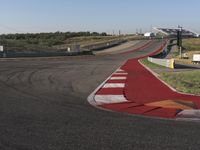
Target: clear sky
{"points": [[97, 15]]}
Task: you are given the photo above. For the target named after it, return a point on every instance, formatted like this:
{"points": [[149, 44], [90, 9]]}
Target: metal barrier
{"points": [[169, 63]]}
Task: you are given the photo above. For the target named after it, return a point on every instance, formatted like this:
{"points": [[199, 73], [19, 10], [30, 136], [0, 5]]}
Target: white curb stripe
{"points": [[189, 114], [108, 99], [114, 85], [120, 70], [118, 78], [120, 73]]}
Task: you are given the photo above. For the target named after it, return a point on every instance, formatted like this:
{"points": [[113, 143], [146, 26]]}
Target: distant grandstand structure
{"points": [[173, 32]]}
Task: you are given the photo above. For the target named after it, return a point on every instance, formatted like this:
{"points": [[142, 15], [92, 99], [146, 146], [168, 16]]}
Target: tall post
{"points": [[180, 40]]}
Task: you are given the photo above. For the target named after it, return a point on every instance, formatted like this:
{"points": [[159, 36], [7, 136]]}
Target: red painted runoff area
{"points": [[143, 93]]}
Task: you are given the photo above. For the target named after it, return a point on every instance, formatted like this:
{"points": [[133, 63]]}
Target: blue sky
{"points": [[97, 15]]}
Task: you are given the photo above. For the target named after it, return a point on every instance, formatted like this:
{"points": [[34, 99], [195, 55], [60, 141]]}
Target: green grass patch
{"points": [[53, 41], [58, 40], [187, 82]]}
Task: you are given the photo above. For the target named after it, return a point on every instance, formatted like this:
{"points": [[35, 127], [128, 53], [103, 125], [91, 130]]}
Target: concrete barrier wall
{"points": [[42, 54], [169, 63]]}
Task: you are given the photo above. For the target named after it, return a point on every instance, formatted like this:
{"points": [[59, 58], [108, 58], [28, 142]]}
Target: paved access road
{"points": [[43, 106]]}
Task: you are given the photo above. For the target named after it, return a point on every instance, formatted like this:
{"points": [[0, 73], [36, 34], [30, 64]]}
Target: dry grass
{"points": [[187, 82], [192, 46]]}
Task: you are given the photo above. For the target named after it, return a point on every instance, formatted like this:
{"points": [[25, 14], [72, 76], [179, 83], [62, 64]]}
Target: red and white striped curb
{"points": [[112, 90], [110, 95]]}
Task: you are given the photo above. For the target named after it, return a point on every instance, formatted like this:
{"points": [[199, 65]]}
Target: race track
{"points": [[43, 106]]}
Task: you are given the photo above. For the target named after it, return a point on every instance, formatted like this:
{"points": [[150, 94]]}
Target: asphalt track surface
{"points": [[43, 106]]}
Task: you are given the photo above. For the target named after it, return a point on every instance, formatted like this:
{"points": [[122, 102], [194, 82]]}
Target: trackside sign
{"points": [[196, 57], [1, 48]]}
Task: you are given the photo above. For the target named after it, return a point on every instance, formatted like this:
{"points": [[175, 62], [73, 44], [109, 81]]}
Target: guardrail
{"points": [[169, 63]]}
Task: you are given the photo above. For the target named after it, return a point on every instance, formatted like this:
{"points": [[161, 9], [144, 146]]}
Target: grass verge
{"points": [[184, 81], [187, 82], [150, 64], [192, 44]]}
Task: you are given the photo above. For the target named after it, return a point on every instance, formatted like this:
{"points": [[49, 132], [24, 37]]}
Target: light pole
{"points": [[180, 40]]}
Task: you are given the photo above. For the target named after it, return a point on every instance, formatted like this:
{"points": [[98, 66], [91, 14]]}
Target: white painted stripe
{"points": [[114, 85], [109, 99], [120, 73], [118, 78], [120, 70], [189, 114]]}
